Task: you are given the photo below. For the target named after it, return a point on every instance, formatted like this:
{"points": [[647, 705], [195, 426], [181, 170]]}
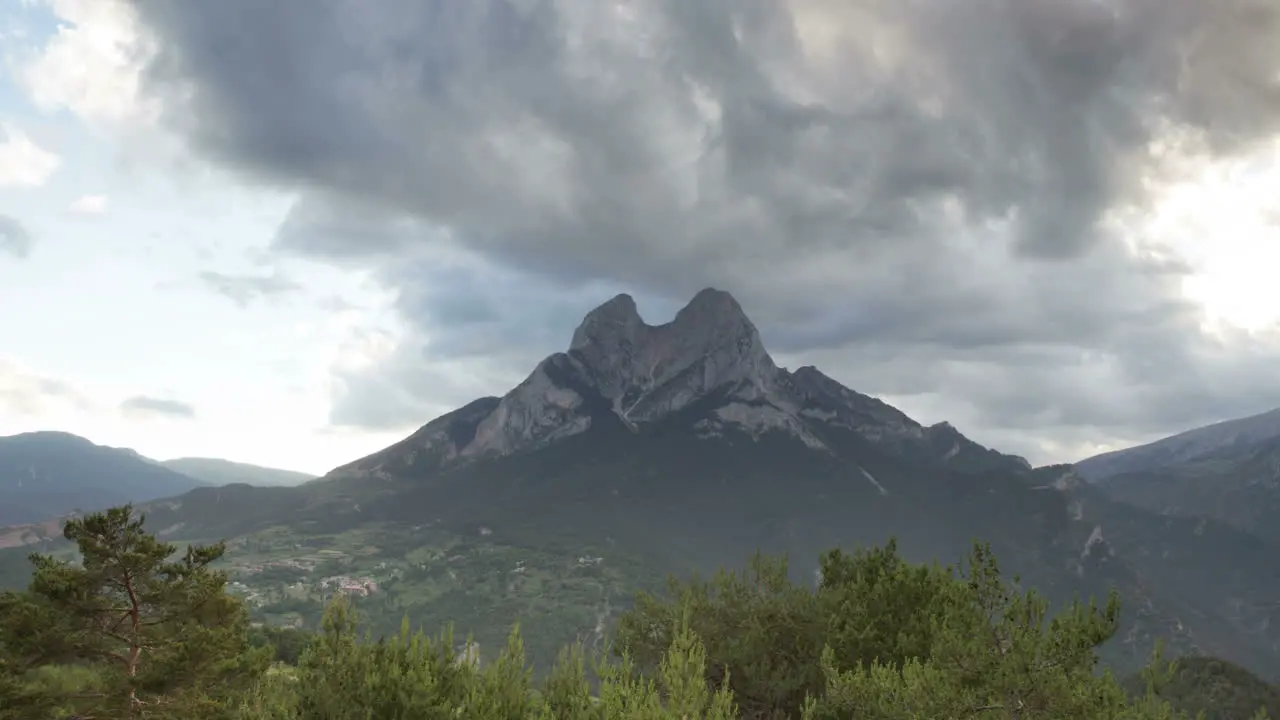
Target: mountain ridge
{"points": [[618, 365], [1183, 446], [684, 448], [49, 474], [1228, 471], [614, 381]]}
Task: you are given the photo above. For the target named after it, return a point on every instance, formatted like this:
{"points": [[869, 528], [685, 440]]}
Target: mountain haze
{"points": [[215, 471], [48, 474], [643, 449]]}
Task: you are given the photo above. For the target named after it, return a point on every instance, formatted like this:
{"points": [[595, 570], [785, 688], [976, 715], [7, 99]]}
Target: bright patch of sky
{"points": [[111, 302]]}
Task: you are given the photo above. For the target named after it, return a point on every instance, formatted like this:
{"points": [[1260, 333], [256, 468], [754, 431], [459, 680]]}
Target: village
{"points": [[268, 582]]}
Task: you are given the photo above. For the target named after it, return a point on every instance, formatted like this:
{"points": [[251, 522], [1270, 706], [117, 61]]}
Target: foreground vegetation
{"points": [[136, 630]]}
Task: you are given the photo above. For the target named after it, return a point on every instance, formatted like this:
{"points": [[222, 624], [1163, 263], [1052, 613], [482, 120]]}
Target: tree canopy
{"points": [[137, 629]]}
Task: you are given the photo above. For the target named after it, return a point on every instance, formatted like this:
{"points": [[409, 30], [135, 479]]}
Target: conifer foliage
{"points": [[147, 631], [137, 629]]}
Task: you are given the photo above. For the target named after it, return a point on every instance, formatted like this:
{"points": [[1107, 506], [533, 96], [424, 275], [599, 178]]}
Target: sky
{"points": [[290, 233]]}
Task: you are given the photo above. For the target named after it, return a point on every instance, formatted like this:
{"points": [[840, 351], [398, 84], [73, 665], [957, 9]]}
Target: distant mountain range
{"points": [[213, 471], [46, 475], [643, 450], [1229, 471]]}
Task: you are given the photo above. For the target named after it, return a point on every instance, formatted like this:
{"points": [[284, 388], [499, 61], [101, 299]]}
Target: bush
{"points": [[412, 676]]}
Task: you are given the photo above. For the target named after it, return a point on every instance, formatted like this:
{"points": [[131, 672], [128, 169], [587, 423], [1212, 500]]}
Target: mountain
{"points": [[621, 374], [643, 450], [1228, 471], [214, 471], [49, 474], [1223, 438]]}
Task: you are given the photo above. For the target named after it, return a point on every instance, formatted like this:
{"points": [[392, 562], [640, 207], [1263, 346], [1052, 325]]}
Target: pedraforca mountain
{"points": [[646, 372], [684, 447], [708, 363]]}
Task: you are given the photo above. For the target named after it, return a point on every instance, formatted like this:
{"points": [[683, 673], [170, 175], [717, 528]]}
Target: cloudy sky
{"points": [[289, 232]]}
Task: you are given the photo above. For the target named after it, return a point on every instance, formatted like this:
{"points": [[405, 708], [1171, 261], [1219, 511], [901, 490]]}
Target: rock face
{"points": [[620, 370], [646, 372]]}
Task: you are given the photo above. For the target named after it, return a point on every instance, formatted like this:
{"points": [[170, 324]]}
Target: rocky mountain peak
{"points": [[711, 307], [619, 365], [614, 321], [646, 371], [713, 317], [709, 356]]}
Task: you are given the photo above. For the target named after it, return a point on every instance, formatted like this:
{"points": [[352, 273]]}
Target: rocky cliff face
{"points": [[647, 372], [620, 370], [639, 373]]}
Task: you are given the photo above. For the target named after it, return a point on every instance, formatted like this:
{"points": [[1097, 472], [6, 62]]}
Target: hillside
{"points": [[682, 447], [48, 474], [214, 471], [1221, 690], [1228, 471], [1219, 439], [938, 643]]}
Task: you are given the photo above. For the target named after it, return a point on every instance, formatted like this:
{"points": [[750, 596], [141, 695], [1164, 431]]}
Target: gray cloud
{"points": [[147, 406], [487, 328], [15, 240], [932, 196], [1058, 400], [244, 289], [23, 393]]}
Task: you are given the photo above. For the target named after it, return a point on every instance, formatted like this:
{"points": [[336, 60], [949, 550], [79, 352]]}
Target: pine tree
{"points": [[160, 636], [996, 654]]}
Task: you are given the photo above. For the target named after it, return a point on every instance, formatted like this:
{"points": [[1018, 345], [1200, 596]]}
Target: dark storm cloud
{"points": [[147, 406], [918, 178], [1057, 401], [470, 306], [553, 133], [340, 228], [243, 289], [15, 240]]}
